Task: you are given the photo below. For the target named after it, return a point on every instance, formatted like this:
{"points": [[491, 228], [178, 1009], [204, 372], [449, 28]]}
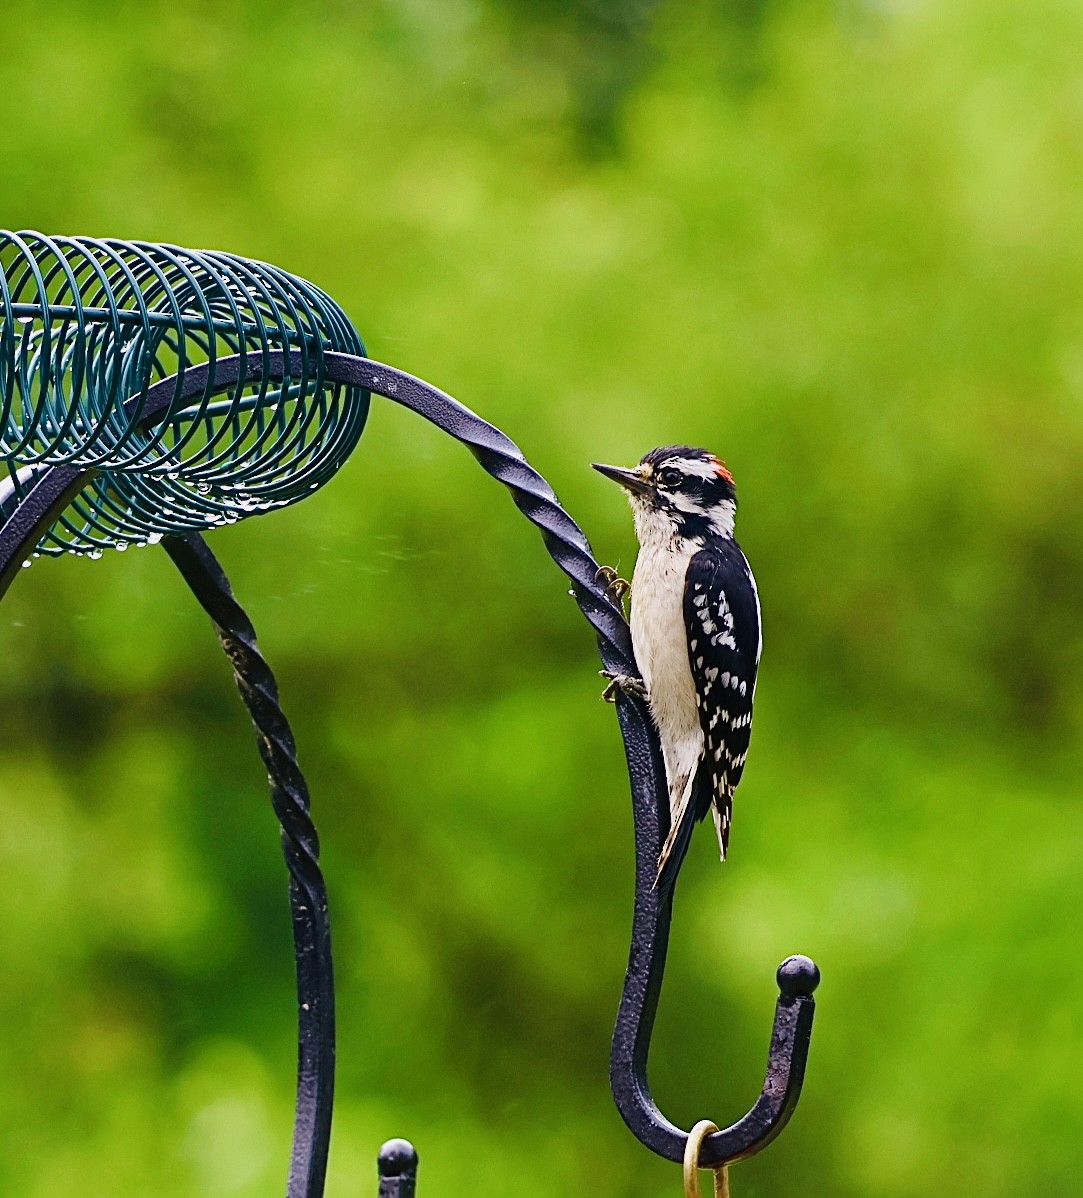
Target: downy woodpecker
{"points": [[696, 635]]}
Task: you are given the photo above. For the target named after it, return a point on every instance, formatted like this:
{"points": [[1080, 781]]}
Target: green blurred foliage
{"points": [[839, 243]]}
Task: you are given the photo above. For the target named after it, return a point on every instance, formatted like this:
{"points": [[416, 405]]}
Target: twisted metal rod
{"points": [[255, 680]]}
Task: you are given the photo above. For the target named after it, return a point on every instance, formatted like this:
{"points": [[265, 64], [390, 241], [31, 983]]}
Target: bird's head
{"points": [[678, 493]]}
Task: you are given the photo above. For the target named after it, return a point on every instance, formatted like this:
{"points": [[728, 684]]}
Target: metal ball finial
{"points": [[798, 976], [396, 1158]]}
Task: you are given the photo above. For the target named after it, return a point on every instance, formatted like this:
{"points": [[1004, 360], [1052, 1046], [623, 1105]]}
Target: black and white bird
{"points": [[695, 621]]}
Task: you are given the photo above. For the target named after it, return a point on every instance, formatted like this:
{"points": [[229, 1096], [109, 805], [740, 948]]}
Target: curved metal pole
{"points": [[500, 457], [51, 489]]}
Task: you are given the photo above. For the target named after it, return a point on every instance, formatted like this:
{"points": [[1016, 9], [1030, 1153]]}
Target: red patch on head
{"points": [[722, 470]]}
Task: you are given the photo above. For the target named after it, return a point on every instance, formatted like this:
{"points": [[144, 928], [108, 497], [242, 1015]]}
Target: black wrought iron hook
{"points": [[797, 979], [47, 492], [797, 976]]}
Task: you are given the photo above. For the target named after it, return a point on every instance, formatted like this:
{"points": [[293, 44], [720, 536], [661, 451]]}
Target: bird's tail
{"points": [[682, 821], [722, 810]]}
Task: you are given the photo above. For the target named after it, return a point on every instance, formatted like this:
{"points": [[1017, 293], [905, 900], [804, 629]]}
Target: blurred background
{"points": [[837, 242]]}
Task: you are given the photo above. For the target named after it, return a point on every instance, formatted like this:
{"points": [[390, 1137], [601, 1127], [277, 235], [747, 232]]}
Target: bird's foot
{"points": [[622, 682], [618, 587]]}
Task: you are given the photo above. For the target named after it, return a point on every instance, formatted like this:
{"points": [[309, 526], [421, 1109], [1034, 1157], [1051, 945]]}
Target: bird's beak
{"points": [[631, 479]]}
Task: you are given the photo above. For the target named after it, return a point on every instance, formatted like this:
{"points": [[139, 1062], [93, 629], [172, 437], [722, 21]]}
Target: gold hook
{"points": [[696, 1136]]}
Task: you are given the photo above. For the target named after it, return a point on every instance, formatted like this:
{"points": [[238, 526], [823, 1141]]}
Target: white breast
{"points": [[660, 642]]}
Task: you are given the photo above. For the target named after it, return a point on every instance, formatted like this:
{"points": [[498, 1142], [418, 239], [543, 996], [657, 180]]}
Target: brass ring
{"points": [[692, 1146]]}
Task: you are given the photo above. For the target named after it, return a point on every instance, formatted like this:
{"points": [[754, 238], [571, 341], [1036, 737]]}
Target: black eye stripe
{"points": [[675, 479]]}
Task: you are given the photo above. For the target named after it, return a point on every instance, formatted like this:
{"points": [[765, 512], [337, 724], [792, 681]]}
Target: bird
{"points": [[696, 635]]}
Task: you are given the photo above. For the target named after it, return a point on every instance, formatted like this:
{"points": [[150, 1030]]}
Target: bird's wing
{"points": [[722, 616], [721, 611]]}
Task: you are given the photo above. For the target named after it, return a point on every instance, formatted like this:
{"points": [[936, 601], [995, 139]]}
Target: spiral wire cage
{"points": [[150, 393], [108, 361]]}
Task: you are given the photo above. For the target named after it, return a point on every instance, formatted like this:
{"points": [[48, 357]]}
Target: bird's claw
{"points": [[618, 587], [627, 683]]}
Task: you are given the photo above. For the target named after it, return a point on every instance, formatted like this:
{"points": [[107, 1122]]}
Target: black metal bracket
{"points": [[48, 490]]}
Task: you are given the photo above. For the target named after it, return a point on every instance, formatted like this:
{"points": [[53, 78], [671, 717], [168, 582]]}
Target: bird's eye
{"points": [[670, 477]]}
